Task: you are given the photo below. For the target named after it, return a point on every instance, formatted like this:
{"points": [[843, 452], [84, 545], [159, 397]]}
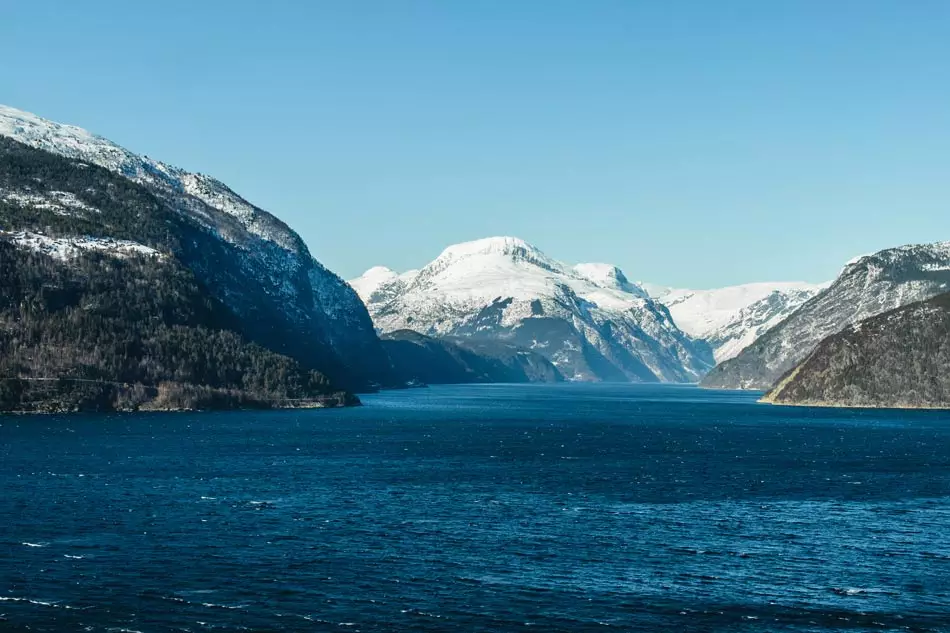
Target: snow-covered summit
{"points": [[367, 283], [380, 277], [591, 322], [938, 254], [499, 245], [489, 253], [509, 267]]}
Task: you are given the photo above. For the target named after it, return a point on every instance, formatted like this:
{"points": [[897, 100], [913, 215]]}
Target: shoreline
{"points": [[824, 404], [310, 404]]}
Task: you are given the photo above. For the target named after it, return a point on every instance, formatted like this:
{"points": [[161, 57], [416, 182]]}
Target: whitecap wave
{"points": [[211, 605]]}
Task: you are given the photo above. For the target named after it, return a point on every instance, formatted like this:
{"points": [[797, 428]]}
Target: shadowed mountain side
{"points": [[442, 361]]}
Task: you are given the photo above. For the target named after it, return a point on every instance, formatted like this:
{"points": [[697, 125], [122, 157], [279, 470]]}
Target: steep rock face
{"points": [[732, 318], [868, 286], [252, 261], [896, 359], [590, 322], [449, 361]]}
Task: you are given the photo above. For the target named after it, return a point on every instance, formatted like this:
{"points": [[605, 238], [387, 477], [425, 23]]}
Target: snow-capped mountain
{"points": [[755, 319], [867, 286], [251, 261], [589, 320], [379, 278], [732, 318]]}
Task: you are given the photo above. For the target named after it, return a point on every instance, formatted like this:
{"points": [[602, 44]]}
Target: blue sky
{"points": [[694, 144]]}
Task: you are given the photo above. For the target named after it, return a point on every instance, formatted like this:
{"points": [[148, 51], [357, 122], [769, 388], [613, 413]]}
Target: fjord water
{"points": [[480, 508]]}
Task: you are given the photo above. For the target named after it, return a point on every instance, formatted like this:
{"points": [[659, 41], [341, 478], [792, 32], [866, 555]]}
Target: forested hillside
{"points": [[897, 359], [99, 309]]}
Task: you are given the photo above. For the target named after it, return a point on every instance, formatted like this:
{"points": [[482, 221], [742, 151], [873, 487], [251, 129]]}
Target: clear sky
{"points": [[694, 144]]}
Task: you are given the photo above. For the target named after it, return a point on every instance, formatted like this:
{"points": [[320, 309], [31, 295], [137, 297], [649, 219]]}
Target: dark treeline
{"points": [[124, 322], [899, 358]]}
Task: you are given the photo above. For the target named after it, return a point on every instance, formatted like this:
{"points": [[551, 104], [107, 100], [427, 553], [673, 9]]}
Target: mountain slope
{"points": [[453, 361], [98, 311], [732, 318], [896, 359], [868, 286], [590, 322], [249, 260]]}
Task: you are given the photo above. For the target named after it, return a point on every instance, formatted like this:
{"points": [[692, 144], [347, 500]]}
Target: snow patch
{"points": [[64, 248], [59, 202]]}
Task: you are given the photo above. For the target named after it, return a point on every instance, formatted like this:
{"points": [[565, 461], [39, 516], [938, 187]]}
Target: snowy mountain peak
{"points": [[499, 261], [380, 271], [513, 248], [45, 134], [79, 144], [505, 289], [609, 276], [370, 281], [938, 254]]}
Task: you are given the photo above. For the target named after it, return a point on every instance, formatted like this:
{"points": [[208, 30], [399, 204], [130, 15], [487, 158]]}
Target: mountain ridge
{"points": [[733, 317], [270, 277], [737, 316], [507, 289], [867, 286]]}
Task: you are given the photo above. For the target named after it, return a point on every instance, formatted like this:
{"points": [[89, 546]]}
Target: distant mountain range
{"points": [[868, 286], [732, 318], [590, 320], [133, 284]]}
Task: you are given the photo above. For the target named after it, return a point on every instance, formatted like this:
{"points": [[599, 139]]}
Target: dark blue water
{"points": [[483, 508]]}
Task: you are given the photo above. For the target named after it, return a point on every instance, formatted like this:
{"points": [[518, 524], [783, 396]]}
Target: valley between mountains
{"points": [[130, 284]]}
